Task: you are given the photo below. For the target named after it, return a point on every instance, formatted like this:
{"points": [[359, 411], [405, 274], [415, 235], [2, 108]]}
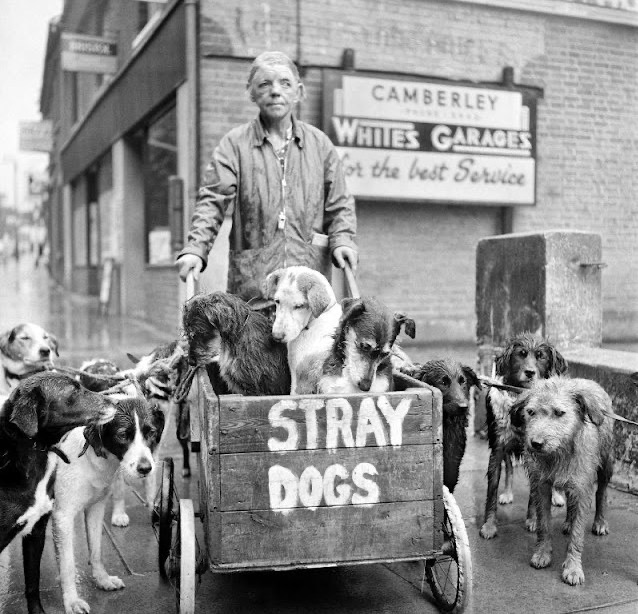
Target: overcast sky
{"points": [[23, 37]]}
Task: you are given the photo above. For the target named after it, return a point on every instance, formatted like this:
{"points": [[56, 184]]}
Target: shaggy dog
{"points": [[36, 416], [306, 317], [524, 360], [25, 349], [99, 453], [361, 356], [568, 443], [222, 327], [454, 380]]}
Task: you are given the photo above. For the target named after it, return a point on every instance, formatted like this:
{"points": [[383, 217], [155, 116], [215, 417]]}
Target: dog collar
{"points": [[9, 375]]}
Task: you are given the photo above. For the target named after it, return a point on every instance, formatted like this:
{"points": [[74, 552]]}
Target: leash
{"points": [[490, 382], [351, 282]]}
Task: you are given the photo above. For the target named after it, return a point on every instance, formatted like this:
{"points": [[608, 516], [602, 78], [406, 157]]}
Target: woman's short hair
{"points": [[271, 58]]}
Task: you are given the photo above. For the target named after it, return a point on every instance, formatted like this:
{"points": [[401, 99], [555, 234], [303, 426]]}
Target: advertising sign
{"points": [[83, 53], [432, 141], [36, 136]]}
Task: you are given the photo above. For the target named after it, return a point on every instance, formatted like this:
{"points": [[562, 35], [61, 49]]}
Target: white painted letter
{"points": [[334, 424], [310, 406], [336, 495], [394, 417], [277, 420], [282, 487], [369, 422], [370, 487], [310, 487]]}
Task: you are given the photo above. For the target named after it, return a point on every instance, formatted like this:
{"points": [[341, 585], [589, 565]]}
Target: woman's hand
{"points": [[343, 254], [187, 263]]}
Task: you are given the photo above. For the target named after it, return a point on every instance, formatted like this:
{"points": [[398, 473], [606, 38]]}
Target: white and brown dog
{"points": [[361, 356], [306, 317], [98, 454], [24, 349]]}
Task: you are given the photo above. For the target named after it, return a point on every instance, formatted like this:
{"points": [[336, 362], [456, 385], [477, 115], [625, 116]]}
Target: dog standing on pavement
{"points": [[98, 454], [24, 349], [524, 360], [455, 381], [306, 317], [361, 356], [568, 442], [40, 411]]}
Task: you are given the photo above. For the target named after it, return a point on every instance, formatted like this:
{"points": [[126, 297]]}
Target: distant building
{"points": [[456, 120]]}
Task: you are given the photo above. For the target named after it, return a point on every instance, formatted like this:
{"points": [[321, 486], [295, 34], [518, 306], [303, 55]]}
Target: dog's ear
{"points": [[352, 309], [93, 435], [5, 339], [318, 299], [590, 404], [159, 420], [269, 285], [471, 376], [132, 358], [22, 409], [558, 364], [517, 411], [400, 319], [502, 361], [53, 344]]}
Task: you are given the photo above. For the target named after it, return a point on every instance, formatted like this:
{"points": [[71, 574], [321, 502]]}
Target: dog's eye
{"points": [[540, 355], [276, 301], [121, 435], [462, 380], [558, 412], [522, 353], [530, 411], [445, 380], [25, 338], [365, 347], [301, 306]]}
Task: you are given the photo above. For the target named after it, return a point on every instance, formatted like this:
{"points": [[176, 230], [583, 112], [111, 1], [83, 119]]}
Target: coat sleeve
{"points": [[216, 192], [340, 219]]}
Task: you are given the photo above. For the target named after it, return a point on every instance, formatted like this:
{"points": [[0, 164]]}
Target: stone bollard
{"points": [[548, 283]]}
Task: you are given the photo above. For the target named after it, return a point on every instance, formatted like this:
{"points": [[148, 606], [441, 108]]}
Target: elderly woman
{"points": [[287, 183]]}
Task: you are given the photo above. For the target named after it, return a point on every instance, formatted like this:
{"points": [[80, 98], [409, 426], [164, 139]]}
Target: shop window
{"points": [[160, 162]]}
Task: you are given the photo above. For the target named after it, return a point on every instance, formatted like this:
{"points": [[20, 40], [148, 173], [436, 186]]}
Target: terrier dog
{"points": [[306, 316], [222, 327], [568, 443], [361, 356], [454, 380], [524, 360], [98, 454], [25, 349]]}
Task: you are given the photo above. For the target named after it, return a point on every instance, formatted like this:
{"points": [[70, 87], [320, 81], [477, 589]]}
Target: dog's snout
{"points": [[277, 335], [537, 444], [365, 384], [144, 467], [529, 373], [45, 352]]}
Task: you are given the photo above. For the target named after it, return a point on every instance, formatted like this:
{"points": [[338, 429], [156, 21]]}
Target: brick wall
{"points": [[420, 257]]}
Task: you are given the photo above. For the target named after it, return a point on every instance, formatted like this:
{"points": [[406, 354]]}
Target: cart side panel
{"points": [[327, 535], [437, 467], [297, 476], [246, 423]]}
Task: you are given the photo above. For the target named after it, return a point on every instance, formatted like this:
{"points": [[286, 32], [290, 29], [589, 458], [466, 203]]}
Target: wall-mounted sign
{"points": [[83, 53], [36, 136], [432, 141]]}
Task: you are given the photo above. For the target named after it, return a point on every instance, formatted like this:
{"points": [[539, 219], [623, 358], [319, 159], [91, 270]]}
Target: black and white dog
{"points": [[33, 420], [98, 455]]}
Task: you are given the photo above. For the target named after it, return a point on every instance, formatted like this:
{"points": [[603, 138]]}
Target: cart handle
{"points": [[351, 282], [192, 286]]}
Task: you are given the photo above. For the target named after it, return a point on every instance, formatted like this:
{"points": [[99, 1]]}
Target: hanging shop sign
{"points": [[83, 53], [432, 141], [36, 136]]}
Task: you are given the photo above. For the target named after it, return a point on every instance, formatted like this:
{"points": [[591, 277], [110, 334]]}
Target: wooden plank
{"points": [[259, 424], [326, 535], [315, 478]]}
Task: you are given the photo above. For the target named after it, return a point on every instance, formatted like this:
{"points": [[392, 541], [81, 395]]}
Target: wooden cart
{"points": [[309, 481]]}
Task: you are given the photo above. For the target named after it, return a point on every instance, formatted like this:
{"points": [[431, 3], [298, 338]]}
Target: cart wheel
{"points": [[182, 559], [165, 515], [450, 573]]}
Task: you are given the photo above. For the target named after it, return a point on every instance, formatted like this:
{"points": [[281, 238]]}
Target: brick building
{"points": [[179, 85]]}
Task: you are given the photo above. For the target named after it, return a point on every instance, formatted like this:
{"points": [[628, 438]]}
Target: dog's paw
{"points": [[573, 573], [488, 530], [600, 527], [76, 606], [120, 519], [109, 583], [541, 558], [558, 499], [505, 498], [530, 525]]}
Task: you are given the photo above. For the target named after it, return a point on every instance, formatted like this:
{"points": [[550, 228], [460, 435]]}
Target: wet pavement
{"points": [[503, 580]]}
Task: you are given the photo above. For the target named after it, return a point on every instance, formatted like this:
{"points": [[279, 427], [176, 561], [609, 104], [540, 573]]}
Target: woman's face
{"points": [[275, 91]]}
